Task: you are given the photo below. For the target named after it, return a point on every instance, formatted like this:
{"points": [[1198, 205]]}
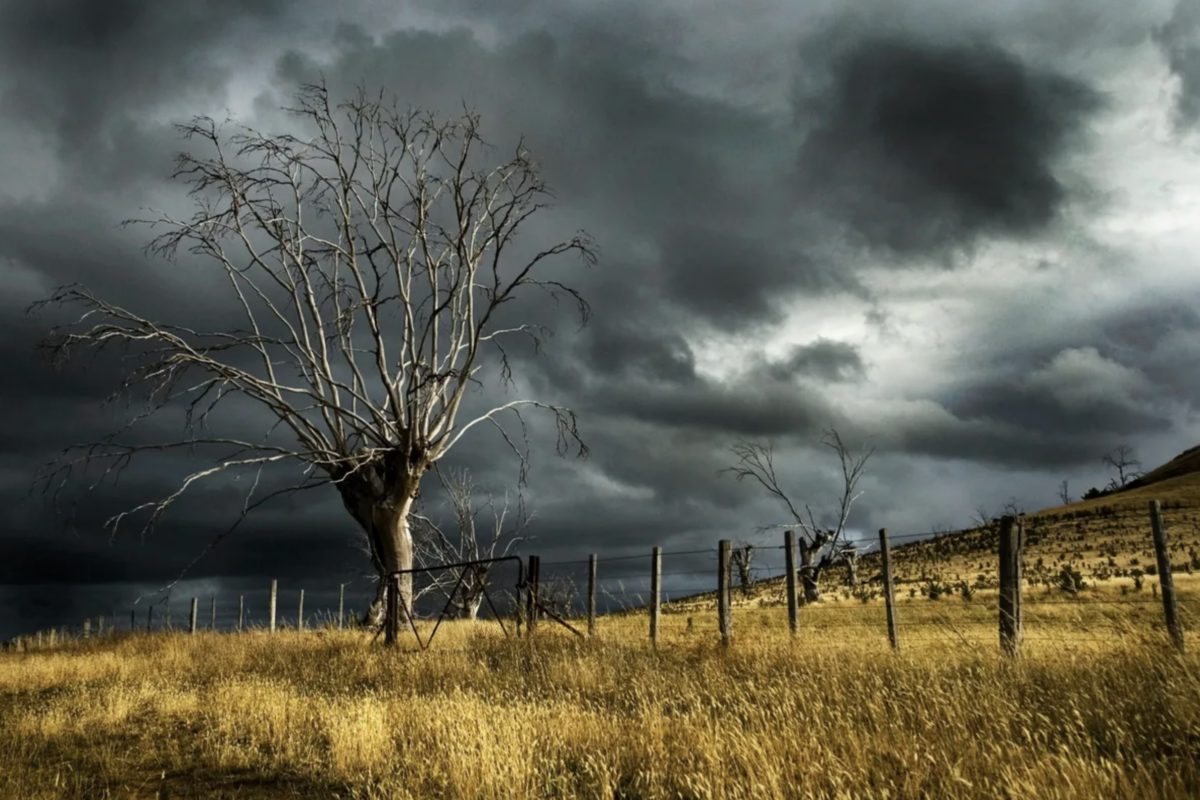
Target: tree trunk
{"points": [[471, 608], [382, 512], [810, 573], [852, 570]]}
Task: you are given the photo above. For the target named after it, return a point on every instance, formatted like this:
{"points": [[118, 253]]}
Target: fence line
{"points": [[539, 594]]}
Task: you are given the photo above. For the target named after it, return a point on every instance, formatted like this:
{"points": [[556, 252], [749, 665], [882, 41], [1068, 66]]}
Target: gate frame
{"points": [[391, 623]]}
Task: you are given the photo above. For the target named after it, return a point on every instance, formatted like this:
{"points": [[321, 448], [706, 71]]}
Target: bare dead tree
{"points": [[981, 517], [742, 556], [1064, 493], [1013, 508], [1121, 458], [559, 594], [432, 546], [819, 547], [848, 557], [373, 269]]}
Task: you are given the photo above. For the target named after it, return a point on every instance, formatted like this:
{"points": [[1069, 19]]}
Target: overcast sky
{"points": [[961, 232]]}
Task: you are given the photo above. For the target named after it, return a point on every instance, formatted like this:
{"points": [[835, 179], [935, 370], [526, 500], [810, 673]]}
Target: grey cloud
{"points": [[928, 147], [687, 176], [824, 359], [1179, 39], [691, 189]]}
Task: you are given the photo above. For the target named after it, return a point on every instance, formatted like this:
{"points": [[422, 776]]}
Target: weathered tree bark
{"points": [[470, 608], [850, 557], [810, 572], [380, 496]]}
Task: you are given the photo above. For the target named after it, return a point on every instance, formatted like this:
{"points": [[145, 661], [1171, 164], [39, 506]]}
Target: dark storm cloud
{"points": [[917, 143], [1179, 39], [1033, 410], [84, 65], [673, 185], [927, 147], [824, 359]]}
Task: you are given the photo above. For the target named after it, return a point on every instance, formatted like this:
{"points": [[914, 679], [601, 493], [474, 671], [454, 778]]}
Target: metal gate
{"points": [[527, 582]]}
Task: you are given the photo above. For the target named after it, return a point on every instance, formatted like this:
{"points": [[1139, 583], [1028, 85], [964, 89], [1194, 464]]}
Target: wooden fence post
{"points": [[87, 628], [149, 619], [889, 591], [724, 607], [212, 622], [274, 595], [535, 567], [789, 565], [241, 611], [167, 615], [300, 614], [1010, 586], [592, 595], [100, 625], [132, 619], [341, 604], [655, 594], [1165, 579], [391, 622], [195, 607]]}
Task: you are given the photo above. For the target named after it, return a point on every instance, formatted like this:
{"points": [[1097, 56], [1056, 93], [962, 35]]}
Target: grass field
{"points": [[1097, 705]]}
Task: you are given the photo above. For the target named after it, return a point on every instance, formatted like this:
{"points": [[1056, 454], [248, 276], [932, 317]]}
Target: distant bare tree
{"points": [[558, 594], [432, 546], [981, 517], [849, 559], [819, 547], [742, 556], [1013, 508], [1121, 458], [1064, 493], [370, 264]]}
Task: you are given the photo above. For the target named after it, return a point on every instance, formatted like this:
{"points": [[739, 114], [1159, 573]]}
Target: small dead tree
{"points": [[848, 558], [559, 595], [819, 547], [1064, 493], [742, 557], [1121, 458], [981, 517], [432, 546], [372, 267]]}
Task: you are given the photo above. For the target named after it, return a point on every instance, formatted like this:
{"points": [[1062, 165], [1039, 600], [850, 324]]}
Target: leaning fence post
{"points": [[274, 595], [789, 565], [655, 594], [535, 564], [341, 604], [889, 592], [241, 611], [195, 607], [724, 609], [592, 594], [1165, 579], [1010, 586], [391, 621], [300, 614]]}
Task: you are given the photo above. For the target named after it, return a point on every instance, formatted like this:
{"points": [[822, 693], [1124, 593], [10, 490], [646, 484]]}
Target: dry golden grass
{"points": [[1088, 711], [1096, 707]]}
